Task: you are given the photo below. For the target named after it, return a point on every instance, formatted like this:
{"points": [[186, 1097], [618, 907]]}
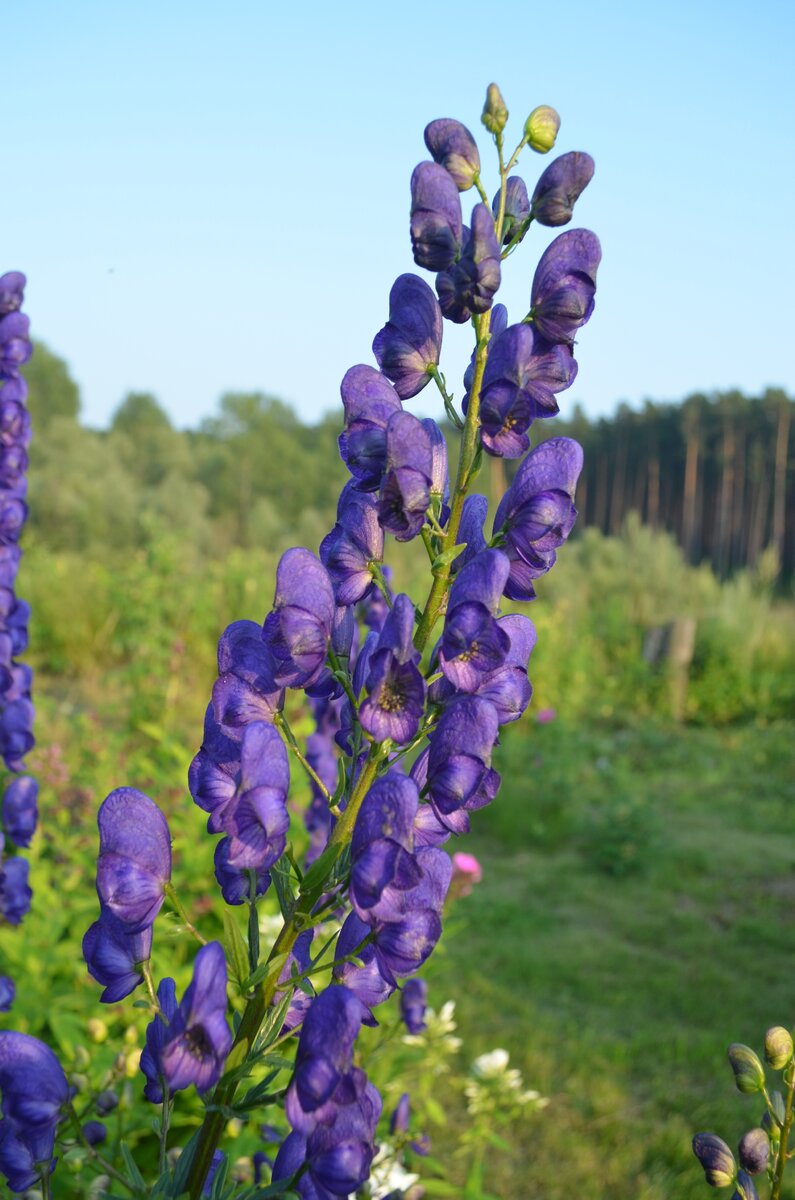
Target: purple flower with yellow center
{"points": [[508, 687], [235, 882], [156, 1034], [298, 630], [521, 378], [436, 220], [324, 1060], [560, 186], [114, 956], [354, 544], [406, 487], [468, 285], [15, 892], [245, 690], [460, 777], [564, 285], [452, 146], [34, 1090], [404, 942], [382, 863], [537, 513], [20, 810], [198, 1037], [409, 345], [134, 863], [473, 643], [255, 817], [369, 401], [516, 215], [395, 698], [413, 1002], [365, 981]]}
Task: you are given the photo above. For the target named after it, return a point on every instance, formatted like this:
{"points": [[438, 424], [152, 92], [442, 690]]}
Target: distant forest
{"points": [[715, 470]]}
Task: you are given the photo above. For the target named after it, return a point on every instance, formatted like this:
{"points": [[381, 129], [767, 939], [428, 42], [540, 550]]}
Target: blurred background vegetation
{"points": [[635, 914]]}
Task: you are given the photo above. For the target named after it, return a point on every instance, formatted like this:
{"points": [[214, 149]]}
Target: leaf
{"points": [[272, 1024], [137, 1179], [265, 971], [435, 1111], [439, 1187], [280, 874], [320, 868], [237, 951]]}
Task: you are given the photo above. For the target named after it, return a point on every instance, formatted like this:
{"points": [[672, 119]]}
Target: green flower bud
{"points": [[82, 1058], [778, 1047], [495, 114], [541, 128], [79, 1082], [749, 1074]]}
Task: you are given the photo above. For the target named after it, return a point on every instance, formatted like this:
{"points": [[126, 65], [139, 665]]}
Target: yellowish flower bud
{"points": [[495, 114], [541, 128]]}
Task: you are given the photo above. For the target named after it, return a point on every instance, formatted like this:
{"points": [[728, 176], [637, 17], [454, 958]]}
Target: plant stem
{"points": [[146, 971], [785, 1130], [179, 908], [165, 1118], [280, 721], [107, 1167]]}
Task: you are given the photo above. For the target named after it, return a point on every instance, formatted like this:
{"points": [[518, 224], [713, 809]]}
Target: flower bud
{"points": [[716, 1158], [746, 1188], [79, 1082], [130, 1035], [495, 114], [82, 1057], [132, 1062], [749, 1074], [94, 1132], [97, 1029], [778, 1047], [106, 1102], [754, 1150], [541, 128]]}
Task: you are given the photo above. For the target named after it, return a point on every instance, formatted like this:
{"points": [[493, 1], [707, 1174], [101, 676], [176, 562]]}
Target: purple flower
{"points": [[234, 882], [134, 863], [217, 1158], [324, 1075], [114, 956], [13, 514], [369, 401], [356, 541], [255, 818], [12, 291], [298, 630], [470, 531], [245, 690], [338, 1154], [460, 776], [564, 285], [15, 345], [413, 1002], [452, 146], [473, 643], [521, 378], [440, 481], [15, 893], [20, 810], [382, 863], [516, 216], [537, 513], [95, 1133], [156, 1034], [411, 341], [34, 1090], [508, 688], [366, 982], [405, 490], [436, 221], [198, 1037], [395, 687], [560, 186], [467, 286], [298, 961], [16, 730], [7, 993], [404, 942], [212, 776]]}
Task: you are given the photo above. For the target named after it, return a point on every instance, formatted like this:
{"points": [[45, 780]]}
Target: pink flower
{"points": [[545, 715], [467, 871]]}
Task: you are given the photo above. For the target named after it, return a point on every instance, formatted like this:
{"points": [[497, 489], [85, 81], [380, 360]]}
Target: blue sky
{"points": [[210, 198]]}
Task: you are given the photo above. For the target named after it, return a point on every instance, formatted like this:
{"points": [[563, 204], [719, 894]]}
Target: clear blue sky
{"points": [[211, 198]]}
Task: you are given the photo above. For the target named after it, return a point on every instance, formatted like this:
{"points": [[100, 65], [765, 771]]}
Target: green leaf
{"points": [[236, 949], [435, 1111], [265, 970], [280, 874], [136, 1178], [439, 1187], [272, 1024], [319, 870]]}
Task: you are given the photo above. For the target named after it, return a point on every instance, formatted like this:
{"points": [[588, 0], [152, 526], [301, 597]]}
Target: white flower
{"points": [[492, 1064], [388, 1175]]}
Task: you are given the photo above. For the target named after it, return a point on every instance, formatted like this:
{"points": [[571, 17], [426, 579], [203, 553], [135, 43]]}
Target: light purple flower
{"points": [[405, 490], [560, 186], [198, 1038], [411, 341], [395, 697], [298, 630], [134, 863], [564, 285], [369, 401], [452, 146], [436, 221]]}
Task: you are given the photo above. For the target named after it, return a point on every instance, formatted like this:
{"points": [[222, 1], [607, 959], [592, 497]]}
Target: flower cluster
{"points": [[19, 802]]}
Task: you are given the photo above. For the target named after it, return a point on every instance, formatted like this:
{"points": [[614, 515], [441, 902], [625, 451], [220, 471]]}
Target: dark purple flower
{"points": [[405, 489], [467, 286], [521, 378], [16, 730], [537, 513], [369, 401], [754, 1151], [452, 146], [395, 697], [436, 221], [34, 1091], [716, 1158], [95, 1133], [404, 942], [298, 961], [15, 893], [382, 864], [746, 1188], [245, 690], [564, 285], [235, 882], [338, 1154], [256, 818], [217, 1158], [9, 562], [114, 956], [198, 1037], [13, 514], [20, 809], [413, 1002], [356, 541], [14, 417], [324, 1060], [440, 481], [473, 643], [460, 777], [156, 1033], [366, 982], [508, 688], [560, 186], [470, 531], [516, 216], [298, 630], [134, 863], [411, 341], [15, 345], [212, 776], [7, 993], [12, 291]]}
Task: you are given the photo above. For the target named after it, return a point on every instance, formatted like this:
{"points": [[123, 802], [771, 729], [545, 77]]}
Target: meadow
{"points": [[635, 911]]}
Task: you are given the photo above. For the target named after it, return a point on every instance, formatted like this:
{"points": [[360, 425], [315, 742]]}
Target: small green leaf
{"points": [[136, 1178], [236, 949]]}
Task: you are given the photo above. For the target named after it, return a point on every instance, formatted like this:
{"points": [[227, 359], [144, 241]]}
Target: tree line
{"points": [[715, 470]]}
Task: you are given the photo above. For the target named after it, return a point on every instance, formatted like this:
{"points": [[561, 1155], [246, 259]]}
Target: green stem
{"points": [[146, 971], [785, 1131], [179, 908], [478, 182], [381, 583], [102, 1162], [280, 721], [164, 1123]]}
